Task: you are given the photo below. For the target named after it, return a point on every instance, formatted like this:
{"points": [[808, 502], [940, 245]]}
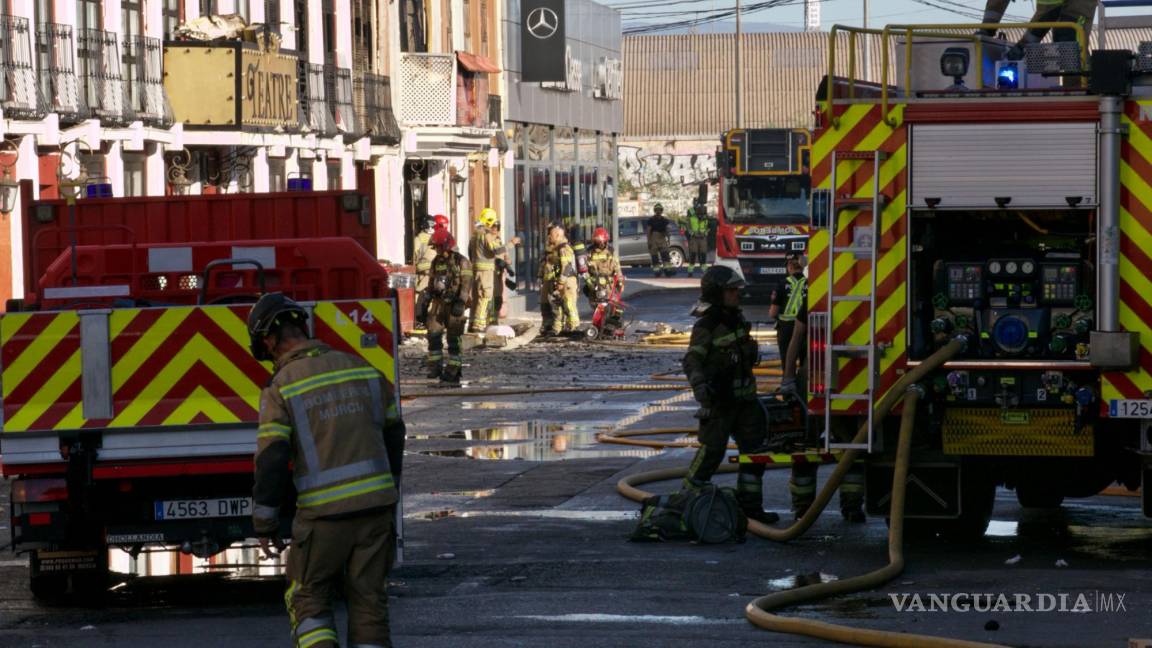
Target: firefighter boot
{"points": [[802, 486], [435, 368], [750, 494], [852, 495], [451, 376]]}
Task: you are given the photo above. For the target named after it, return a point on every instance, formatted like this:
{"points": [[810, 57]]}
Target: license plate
{"points": [[1130, 408], [771, 270], [203, 508]]}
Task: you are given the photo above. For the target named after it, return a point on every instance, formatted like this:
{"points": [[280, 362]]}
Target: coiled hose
{"points": [[757, 611]]}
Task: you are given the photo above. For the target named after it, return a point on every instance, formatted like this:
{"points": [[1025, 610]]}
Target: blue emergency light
{"points": [[1008, 77]]}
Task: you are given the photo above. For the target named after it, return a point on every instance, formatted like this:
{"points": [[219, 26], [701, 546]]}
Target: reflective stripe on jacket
{"points": [[797, 290]]}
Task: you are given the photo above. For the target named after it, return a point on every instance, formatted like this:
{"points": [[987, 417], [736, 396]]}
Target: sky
{"points": [[850, 12]]}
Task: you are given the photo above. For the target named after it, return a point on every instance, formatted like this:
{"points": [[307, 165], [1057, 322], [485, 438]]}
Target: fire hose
{"points": [[759, 611]]}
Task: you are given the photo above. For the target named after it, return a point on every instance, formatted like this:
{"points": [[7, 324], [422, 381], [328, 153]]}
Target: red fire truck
{"points": [[129, 395], [764, 202]]}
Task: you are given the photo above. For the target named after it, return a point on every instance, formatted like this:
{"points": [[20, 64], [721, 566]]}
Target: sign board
{"points": [[543, 37], [269, 89], [609, 80]]}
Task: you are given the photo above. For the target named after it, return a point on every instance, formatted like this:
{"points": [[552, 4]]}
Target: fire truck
{"points": [[130, 398], [763, 203], [1006, 202]]}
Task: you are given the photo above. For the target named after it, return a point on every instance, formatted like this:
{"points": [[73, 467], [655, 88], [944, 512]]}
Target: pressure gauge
{"points": [[1027, 267], [1010, 267], [994, 267]]}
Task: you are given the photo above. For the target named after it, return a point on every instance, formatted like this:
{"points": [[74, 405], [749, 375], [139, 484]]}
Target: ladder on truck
{"points": [[866, 249]]}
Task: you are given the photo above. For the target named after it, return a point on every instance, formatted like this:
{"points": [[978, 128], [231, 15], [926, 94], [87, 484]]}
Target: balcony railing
{"points": [[99, 57], [316, 113], [374, 108], [59, 84], [144, 59], [19, 93], [428, 89], [338, 96]]}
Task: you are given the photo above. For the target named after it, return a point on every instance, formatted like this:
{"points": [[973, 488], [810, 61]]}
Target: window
{"points": [[276, 174], [208, 7], [131, 28], [244, 10], [334, 180], [134, 175], [328, 23], [272, 15], [170, 11]]}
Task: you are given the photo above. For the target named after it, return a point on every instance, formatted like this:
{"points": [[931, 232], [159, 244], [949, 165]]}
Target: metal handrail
{"points": [[934, 30]]}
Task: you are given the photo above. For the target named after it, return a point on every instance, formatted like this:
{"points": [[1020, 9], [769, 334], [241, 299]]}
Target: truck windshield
{"points": [[767, 199]]}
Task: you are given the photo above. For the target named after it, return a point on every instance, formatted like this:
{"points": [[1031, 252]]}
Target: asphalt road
{"points": [[515, 536]]}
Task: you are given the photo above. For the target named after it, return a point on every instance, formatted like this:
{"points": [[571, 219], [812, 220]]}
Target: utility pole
{"points": [[739, 70]]}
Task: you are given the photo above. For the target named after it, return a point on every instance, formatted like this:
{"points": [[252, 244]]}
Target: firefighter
{"points": [[330, 428], [504, 278], [719, 362], [603, 268], [657, 229], [423, 262], [1080, 12], [697, 226], [787, 299], [558, 285], [449, 286], [483, 250]]}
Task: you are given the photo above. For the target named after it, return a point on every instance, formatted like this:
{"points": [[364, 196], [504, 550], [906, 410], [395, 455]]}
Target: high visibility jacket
{"points": [[603, 266], [424, 252], [451, 277], [559, 262], [328, 413], [483, 249], [797, 288], [697, 225], [722, 353]]}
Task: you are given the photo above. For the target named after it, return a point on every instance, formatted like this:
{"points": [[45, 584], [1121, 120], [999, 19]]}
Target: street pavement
{"points": [[515, 536]]}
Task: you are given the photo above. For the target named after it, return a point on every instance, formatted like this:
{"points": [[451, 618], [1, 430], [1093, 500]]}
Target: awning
{"points": [[476, 63]]}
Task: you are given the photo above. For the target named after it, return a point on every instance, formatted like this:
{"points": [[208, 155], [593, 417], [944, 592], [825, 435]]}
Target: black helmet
{"points": [[715, 281], [270, 310]]}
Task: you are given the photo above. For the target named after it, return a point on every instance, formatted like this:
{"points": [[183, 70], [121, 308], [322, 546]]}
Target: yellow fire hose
{"points": [[757, 611]]}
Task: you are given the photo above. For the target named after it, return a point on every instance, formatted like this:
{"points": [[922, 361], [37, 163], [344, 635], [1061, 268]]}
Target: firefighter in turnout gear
{"points": [[1080, 12], [448, 286], [603, 269], [719, 362], [483, 250], [697, 225], [658, 244], [331, 431], [423, 262], [787, 300], [558, 285]]}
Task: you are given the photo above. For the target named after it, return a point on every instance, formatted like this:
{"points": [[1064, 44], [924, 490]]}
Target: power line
{"points": [[712, 17]]}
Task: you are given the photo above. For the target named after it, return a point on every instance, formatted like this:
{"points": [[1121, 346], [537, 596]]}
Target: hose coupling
{"points": [[917, 388], [964, 341]]}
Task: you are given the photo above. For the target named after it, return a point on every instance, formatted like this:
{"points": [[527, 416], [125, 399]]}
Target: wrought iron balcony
{"points": [[59, 84], [100, 67], [338, 96], [19, 93], [144, 83], [374, 108], [316, 113]]}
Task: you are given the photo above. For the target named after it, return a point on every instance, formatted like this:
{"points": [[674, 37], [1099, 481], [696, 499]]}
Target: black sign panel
{"points": [[542, 40]]}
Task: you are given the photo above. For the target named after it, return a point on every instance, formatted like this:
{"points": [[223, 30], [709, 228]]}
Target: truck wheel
{"points": [[676, 257], [1032, 497], [977, 497], [49, 588]]}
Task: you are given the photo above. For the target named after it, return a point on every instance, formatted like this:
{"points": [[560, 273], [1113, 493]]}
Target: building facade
{"points": [[562, 135]]}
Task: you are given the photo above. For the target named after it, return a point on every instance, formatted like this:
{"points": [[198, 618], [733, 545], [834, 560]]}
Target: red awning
{"points": [[476, 63]]}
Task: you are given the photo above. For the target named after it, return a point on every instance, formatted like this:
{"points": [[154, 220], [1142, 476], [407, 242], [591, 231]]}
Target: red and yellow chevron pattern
{"points": [[169, 366], [1135, 252], [862, 128]]}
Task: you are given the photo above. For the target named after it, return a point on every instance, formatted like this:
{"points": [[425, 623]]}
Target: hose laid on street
{"points": [[757, 611], [447, 392]]}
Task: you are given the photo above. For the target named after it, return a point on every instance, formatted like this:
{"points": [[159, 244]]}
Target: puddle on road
{"points": [[534, 441], [801, 580]]}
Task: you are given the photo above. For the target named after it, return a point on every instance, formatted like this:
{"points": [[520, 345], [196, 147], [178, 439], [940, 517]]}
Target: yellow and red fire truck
{"points": [[762, 208], [1006, 201], [130, 397]]}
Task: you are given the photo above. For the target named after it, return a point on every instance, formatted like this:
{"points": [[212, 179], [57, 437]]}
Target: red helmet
{"points": [[440, 221], [600, 236], [442, 239]]}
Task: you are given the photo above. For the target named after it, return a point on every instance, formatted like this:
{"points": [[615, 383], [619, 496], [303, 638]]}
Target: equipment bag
{"points": [[706, 515]]}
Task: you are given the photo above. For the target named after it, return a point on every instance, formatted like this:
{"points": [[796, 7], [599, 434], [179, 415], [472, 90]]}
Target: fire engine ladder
{"points": [[862, 248]]}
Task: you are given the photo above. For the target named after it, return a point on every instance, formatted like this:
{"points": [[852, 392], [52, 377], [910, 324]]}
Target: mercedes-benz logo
{"points": [[543, 23]]}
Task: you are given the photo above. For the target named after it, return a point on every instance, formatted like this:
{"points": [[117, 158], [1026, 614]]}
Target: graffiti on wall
{"points": [[661, 173]]}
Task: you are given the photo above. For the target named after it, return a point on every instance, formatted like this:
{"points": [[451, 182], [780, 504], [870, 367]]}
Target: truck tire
{"points": [[49, 588], [977, 497], [1033, 497]]}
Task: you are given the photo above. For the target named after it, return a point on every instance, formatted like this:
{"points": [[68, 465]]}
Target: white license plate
{"points": [[1130, 408], [771, 270], [203, 508]]}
